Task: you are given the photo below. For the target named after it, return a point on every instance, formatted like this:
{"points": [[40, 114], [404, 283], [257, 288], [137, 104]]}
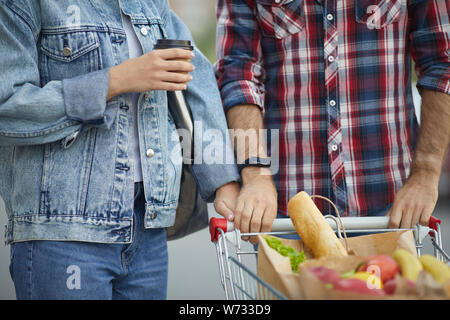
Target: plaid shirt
{"points": [[334, 77]]}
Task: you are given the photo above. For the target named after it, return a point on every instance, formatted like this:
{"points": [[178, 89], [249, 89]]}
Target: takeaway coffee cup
{"points": [[178, 106], [173, 44]]}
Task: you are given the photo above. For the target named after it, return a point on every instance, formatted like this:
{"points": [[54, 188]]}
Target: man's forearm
{"points": [[434, 134], [247, 124], [415, 201], [256, 207]]}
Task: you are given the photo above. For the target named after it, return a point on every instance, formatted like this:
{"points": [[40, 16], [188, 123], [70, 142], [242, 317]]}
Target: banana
{"points": [[438, 269], [410, 266]]}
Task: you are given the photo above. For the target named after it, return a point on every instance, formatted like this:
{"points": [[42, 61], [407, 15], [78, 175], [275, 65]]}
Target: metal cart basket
{"points": [[236, 256]]}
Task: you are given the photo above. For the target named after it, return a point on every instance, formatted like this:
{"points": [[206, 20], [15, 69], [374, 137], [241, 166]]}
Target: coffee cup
{"points": [[175, 44], [178, 106]]}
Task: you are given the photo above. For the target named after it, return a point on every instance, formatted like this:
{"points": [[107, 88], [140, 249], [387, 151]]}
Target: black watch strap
{"points": [[254, 162]]}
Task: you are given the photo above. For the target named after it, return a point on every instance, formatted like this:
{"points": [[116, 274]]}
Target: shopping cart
{"points": [[237, 258]]}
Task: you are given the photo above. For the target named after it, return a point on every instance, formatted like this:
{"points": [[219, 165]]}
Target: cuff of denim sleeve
{"points": [[436, 83], [85, 99], [241, 93], [214, 177]]}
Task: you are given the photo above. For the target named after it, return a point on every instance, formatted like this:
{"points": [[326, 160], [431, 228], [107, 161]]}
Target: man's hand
{"points": [[257, 203], [415, 201], [226, 199]]}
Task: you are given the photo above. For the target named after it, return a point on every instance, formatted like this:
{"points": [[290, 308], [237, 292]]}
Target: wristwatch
{"points": [[254, 162]]}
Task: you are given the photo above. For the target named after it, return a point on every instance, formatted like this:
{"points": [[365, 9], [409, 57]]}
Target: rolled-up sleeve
{"points": [[239, 67], [430, 40], [85, 99]]}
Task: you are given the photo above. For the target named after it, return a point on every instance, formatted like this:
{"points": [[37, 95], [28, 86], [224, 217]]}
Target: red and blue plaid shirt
{"points": [[334, 77]]}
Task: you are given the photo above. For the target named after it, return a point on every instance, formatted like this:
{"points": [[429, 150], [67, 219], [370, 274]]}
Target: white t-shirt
{"points": [[135, 50]]}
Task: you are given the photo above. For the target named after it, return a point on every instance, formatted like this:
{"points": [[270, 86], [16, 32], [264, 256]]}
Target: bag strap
{"points": [[339, 218]]}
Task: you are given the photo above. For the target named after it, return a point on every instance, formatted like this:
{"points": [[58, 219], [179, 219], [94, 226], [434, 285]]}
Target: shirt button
{"points": [[66, 51], [329, 17], [149, 153], [334, 147], [277, 1], [144, 31], [332, 103], [331, 59]]}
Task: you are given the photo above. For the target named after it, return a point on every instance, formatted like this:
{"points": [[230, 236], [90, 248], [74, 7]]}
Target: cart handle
{"points": [[433, 224], [219, 223], [284, 224]]}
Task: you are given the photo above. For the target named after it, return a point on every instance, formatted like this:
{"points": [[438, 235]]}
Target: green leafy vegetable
{"points": [[348, 274], [287, 251]]}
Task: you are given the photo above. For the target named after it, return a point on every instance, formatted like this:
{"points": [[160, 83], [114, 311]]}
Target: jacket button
{"points": [[153, 215], [144, 31], [66, 51], [149, 153]]}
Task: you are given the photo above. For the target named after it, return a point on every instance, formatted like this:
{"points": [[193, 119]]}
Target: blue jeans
{"points": [[82, 270]]}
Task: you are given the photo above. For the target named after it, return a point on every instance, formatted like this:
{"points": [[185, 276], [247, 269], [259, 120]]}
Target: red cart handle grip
{"points": [[214, 225], [433, 224]]}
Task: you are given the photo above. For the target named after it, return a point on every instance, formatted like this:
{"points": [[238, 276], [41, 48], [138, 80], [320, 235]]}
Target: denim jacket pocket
{"points": [[280, 20], [68, 54], [377, 14]]}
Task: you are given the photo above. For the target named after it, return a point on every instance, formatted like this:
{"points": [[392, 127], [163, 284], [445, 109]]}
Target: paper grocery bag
{"points": [[382, 243], [276, 270]]}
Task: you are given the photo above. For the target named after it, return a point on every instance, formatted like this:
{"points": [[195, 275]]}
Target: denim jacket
{"points": [[65, 173]]}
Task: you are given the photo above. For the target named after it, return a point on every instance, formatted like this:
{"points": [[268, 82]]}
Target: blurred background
{"points": [[193, 266]]}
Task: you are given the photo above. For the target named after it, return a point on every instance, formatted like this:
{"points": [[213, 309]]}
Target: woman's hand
{"points": [[165, 69], [226, 198]]}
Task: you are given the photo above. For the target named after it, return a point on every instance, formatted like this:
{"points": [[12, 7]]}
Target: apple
{"points": [[357, 286], [382, 266], [390, 286], [326, 275], [403, 284]]}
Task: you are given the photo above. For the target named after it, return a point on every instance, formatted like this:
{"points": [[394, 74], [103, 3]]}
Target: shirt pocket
{"points": [[280, 20], [377, 14], [68, 54]]}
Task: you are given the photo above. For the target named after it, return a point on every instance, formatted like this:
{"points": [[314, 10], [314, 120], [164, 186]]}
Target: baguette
{"points": [[312, 227]]}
